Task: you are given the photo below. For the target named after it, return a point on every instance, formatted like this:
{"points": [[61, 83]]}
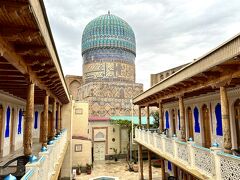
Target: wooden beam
{"points": [[10, 30], [42, 59], [13, 4], [7, 51], [14, 33], [12, 81], [50, 69], [227, 68], [13, 76], [207, 83], [15, 9], [29, 49], [212, 74], [6, 66], [199, 79], [37, 68], [8, 73]]}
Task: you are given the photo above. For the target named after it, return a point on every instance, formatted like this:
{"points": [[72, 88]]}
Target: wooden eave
{"points": [[219, 67], [28, 52]]}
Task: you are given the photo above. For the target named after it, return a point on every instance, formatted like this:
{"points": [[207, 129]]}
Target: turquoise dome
{"points": [[108, 31]]}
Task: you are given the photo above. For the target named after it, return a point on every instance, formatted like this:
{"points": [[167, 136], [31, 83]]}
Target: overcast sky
{"points": [[168, 32]]}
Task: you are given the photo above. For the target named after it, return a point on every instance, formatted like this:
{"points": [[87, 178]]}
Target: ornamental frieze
{"points": [[113, 71], [110, 90]]}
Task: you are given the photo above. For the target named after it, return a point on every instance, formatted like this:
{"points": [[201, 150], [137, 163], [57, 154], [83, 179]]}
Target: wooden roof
{"points": [[28, 52], [219, 67]]}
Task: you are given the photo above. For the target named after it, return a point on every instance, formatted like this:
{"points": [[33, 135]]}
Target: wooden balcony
{"points": [[49, 163], [200, 162]]}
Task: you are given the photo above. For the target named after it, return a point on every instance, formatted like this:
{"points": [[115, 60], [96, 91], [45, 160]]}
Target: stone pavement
{"points": [[118, 169]]}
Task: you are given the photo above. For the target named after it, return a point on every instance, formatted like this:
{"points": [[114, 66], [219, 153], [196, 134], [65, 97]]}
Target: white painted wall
{"points": [[16, 103], [13, 103], [211, 101]]}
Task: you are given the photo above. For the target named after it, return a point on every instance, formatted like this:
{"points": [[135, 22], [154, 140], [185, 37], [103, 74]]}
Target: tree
{"points": [[155, 115]]}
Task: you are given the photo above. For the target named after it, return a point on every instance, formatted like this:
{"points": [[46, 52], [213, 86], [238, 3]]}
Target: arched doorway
{"points": [[12, 131], [190, 123], [73, 88], [206, 126], [1, 129], [173, 121], [237, 120]]}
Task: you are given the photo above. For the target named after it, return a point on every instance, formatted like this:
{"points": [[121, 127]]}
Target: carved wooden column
{"points": [[161, 121], [53, 120], [28, 124], [45, 121], [227, 143], [140, 146], [149, 165], [140, 161], [182, 119], [189, 177], [163, 169], [60, 119], [149, 152], [148, 117], [175, 171], [59, 114], [139, 117]]}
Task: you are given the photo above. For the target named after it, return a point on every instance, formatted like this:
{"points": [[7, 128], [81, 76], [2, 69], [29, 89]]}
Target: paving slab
{"points": [[118, 169]]}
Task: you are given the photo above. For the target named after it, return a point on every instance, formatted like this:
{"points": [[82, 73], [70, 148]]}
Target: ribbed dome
{"points": [[108, 31]]}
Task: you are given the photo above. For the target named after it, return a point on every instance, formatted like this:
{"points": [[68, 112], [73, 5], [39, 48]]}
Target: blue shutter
{"points": [[169, 166], [8, 122], [196, 119], [167, 119], [218, 115], [20, 113], [56, 119], [179, 125], [36, 120]]}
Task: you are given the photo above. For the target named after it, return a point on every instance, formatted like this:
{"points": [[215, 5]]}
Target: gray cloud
{"points": [[168, 33]]}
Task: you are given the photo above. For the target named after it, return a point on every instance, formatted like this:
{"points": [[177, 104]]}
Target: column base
{"points": [[228, 151]]}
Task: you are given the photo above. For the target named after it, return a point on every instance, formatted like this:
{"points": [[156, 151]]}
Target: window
{"points": [[78, 147], [196, 119], [56, 124], [179, 125], [8, 122], [167, 119], [169, 166], [218, 115], [79, 111], [20, 114], [35, 120], [99, 135]]}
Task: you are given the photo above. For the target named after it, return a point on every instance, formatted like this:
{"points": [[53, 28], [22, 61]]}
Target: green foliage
{"points": [[89, 166], [79, 166], [122, 123], [155, 115]]}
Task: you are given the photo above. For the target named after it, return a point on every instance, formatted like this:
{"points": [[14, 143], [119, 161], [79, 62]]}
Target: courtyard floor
{"points": [[118, 169]]}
